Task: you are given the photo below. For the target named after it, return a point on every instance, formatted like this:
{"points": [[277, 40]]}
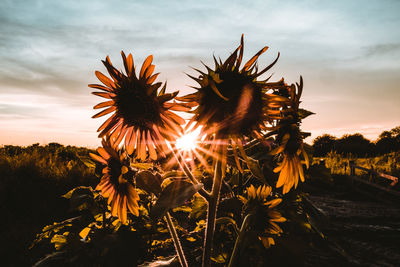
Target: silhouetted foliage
{"points": [[388, 141], [32, 179], [324, 144], [357, 145]]}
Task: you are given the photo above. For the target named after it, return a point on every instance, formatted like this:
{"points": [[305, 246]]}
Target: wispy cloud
{"points": [[50, 49]]}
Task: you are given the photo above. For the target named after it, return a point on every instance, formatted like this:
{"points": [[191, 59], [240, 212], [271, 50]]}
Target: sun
{"points": [[188, 141]]}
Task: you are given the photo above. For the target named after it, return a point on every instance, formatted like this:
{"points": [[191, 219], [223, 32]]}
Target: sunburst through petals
{"points": [[141, 113]]}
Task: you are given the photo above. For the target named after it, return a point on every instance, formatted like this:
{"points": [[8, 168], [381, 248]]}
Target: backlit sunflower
{"points": [[141, 112], [290, 140], [260, 203], [232, 105], [116, 182]]}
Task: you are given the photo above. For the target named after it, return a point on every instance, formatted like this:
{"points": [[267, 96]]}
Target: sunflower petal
{"points": [[146, 64], [104, 79]]}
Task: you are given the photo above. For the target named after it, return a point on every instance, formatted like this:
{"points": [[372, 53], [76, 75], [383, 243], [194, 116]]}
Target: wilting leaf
{"points": [[149, 182], [173, 195], [303, 113]]}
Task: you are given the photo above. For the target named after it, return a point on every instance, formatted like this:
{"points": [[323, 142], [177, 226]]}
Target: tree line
{"points": [[357, 145]]}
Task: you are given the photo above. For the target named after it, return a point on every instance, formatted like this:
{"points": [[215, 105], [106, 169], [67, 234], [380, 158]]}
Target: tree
{"points": [[388, 141], [355, 144], [323, 144]]}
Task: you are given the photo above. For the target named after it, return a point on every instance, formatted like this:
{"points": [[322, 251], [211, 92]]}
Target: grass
{"points": [[32, 179], [339, 164]]}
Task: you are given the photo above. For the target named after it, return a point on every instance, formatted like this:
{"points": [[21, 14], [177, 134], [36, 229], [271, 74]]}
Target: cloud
{"points": [[50, 49], [383, 49]]}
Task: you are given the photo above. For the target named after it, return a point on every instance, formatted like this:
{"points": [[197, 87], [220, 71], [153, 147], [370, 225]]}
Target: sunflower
{"points": [[116, 181], [232, 105], [260, 203], [142, 114], [290, 139]]}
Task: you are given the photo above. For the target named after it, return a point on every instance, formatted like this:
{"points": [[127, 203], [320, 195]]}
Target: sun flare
{"points": [[188, 141]]}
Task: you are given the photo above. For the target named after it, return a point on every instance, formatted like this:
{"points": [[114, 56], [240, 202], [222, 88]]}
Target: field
{"points": [[34, 178], [339, 164]]}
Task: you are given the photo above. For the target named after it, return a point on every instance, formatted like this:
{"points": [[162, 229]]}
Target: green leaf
{"points": [[199, 208], [303, 113], [81, 198], [149, 182], [169, 261], [186, 209], [170, 174], [87, 161], [235, 178], [228, 220], [220, 258], [59, 241], [173, 195], [142, 166], [79, 190], [255, 169]]}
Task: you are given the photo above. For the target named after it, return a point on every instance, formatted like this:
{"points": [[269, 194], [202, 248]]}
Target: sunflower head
{"points": [[290, 139], [262, 205], [229, 98], [141, 111], [116, 182]]}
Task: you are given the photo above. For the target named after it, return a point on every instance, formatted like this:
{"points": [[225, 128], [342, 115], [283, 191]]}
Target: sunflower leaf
{"points": [[87, 161], [149, 182], [255, 169], [303, 113], [173, 195], [228, 220], [199, 208]]}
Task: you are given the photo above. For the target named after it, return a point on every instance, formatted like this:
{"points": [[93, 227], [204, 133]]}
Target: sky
{"points": [[348, 53]]}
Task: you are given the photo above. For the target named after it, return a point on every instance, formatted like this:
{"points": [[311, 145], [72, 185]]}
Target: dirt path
{"points": [[367, 230]]}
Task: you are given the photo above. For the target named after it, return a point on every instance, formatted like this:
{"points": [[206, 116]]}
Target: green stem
{"points": [[189, 174], [238, 241], [212, 214], [175, 238]]}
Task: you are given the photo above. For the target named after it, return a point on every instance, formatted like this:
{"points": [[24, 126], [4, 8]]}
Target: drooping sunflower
{"points": [[290, 140], [116, 182], [232, 104], [142, 114], [261, 204]]}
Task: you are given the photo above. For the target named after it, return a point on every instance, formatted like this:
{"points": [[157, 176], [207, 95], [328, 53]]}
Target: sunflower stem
{"points": [[239, 239], [189, 174], [212, 214], [175, 238]]}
